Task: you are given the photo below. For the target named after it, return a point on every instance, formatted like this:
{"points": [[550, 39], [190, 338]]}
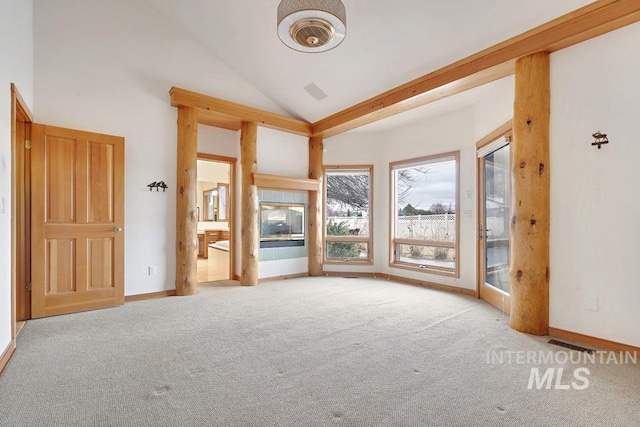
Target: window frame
{"points": [[393, 241], [347, 239]]}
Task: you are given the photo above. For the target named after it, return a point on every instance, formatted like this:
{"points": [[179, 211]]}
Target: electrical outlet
{"points": [[441, 279], [3, 207], [591, 303], [152, 270]]}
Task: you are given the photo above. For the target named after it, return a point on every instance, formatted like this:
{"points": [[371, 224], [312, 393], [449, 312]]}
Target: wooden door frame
{"points": [[20, 247], [504, 130], [231, 202]]}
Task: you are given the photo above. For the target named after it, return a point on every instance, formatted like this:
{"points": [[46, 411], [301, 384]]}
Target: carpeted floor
{"points": [[303, 352]]}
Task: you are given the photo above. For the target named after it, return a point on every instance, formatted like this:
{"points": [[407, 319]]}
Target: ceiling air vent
{"points": [[315, 91]]}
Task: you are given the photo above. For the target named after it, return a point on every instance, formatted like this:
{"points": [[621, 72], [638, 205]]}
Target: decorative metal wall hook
{"points": [[158, 185], [601, 138]]}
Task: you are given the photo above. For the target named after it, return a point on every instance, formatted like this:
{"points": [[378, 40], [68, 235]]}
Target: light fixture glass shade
{"points": [[312, 25]]}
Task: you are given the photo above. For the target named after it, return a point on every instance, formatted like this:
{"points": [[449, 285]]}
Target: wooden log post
{"points": [[315, 207], [186, 203], [249, 209], [530, 220]]}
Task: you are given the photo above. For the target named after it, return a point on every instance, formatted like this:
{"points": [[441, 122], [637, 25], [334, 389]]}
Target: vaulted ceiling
{"points": [[388, 43]]}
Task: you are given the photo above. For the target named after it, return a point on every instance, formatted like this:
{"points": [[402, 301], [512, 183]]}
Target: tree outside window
{"points": [[348, 214]]}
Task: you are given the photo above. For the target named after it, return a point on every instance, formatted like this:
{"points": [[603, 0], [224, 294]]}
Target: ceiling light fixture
{"points": [[312, 25]]}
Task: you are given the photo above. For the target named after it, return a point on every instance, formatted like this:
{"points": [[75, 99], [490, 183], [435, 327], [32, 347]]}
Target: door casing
{"points": [[21, 119], [231, 202]]}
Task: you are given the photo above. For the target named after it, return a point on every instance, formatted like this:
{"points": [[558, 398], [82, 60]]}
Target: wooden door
{"points": [[77, 237]]}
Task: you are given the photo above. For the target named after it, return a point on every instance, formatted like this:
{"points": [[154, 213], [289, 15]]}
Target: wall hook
{"points": [[158, 185], [601, 138]]}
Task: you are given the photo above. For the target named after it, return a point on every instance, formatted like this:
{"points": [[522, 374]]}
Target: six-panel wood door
{"points": [[77, 238]]}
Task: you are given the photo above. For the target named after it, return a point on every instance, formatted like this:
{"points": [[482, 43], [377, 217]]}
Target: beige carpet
{"points": [[303, 352]]}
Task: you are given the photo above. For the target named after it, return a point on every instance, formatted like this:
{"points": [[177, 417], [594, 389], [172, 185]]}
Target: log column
{"points": [[186, 203], [530, 207], [249, 211], [315, 207]]}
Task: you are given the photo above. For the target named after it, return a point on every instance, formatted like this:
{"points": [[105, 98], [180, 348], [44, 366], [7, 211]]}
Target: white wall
{"points": [[218, 141], [448, 132], [595, 202], [107, 67], [281, 153], [451, 132], [278, 153], [365, 148], [286, 154], [16, 66], [495, 107]]}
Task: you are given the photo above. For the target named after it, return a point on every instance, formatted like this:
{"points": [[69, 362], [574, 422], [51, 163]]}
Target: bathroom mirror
{"points": [[223, 205], [210, 205]]}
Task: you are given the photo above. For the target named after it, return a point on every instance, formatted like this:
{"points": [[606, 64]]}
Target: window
{"points": [[348, 236], [424, 220]]}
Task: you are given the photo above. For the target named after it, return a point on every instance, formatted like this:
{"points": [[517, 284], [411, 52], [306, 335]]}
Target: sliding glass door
{"points": [[493, 229]]}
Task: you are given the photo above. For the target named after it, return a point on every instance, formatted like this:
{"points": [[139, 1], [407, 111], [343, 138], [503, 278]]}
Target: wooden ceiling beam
{"points": [[227, 112], [353, 120], [219, 120], [595, 19]]}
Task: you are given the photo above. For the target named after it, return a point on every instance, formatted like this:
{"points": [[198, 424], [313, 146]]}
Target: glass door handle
{"points": [[482, 233]]}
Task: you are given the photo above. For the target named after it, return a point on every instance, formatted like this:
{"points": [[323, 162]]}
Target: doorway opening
{"points": [[21, 119], [494, 214], [215, 202]]}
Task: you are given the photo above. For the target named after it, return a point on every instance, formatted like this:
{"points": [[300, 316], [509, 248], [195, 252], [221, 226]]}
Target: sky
{"points": [[438, 185]]}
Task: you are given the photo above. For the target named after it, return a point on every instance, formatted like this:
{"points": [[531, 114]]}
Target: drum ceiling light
{"points": [[312, 25]]}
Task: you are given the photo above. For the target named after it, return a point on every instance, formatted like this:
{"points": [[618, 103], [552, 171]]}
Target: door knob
{"points": [[117, 229]]}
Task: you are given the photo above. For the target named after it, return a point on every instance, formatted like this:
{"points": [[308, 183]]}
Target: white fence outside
{"points": [[431, 227]]}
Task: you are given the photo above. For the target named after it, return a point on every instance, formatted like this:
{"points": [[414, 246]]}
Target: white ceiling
{"points": [[388, 43]]}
